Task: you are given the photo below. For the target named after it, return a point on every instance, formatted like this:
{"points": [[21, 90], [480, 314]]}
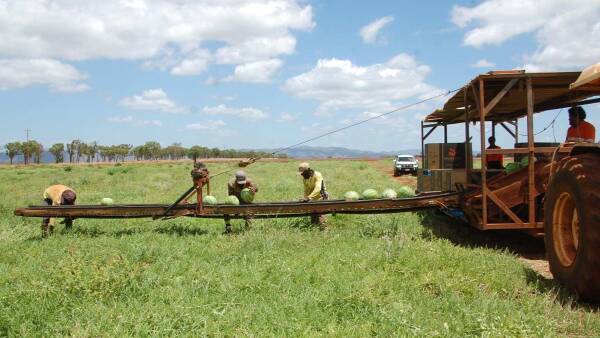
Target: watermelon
{"points": [[351, 196], [209, 200], [231, 200], [406, 191], [247, 195], [370, 194], [107, 201], [389, 193], [512, 167], [524, 161]]}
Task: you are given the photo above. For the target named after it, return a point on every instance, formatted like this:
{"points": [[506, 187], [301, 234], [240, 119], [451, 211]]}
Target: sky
{"points": [[267, 74]]}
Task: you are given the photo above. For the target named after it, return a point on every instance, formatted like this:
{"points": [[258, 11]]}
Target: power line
{"points": [[350, 126]]}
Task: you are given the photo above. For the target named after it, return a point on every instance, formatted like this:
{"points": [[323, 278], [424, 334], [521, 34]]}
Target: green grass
{"points": [[380, 275]]}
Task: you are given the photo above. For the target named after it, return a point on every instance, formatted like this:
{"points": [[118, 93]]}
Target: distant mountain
{"points": [[340, 152]]}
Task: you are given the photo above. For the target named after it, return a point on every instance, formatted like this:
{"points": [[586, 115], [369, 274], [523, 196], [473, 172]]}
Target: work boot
{"points": [[248, 223], [322, 221], [228, 229]]}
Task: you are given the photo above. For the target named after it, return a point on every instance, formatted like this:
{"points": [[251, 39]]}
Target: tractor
{"points": [[553, 189]]}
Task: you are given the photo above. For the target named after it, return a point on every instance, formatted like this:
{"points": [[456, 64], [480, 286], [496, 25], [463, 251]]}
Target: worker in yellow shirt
{"points": [[314, 190], [57, 195]]}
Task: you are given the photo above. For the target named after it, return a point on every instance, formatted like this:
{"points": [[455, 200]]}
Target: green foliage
{"points": [[371, 275]]}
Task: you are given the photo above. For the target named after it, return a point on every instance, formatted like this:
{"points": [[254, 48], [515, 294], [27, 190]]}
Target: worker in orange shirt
{"points": [[580, 130], [494, 161]]}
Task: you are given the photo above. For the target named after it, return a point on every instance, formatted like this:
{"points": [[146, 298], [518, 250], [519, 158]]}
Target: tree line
{"points": [[78, 151]]}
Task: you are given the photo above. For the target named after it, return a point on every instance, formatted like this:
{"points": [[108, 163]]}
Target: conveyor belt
{"points": [[257, 210]]}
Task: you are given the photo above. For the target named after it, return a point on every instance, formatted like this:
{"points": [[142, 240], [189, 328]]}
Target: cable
{"points": [[349, 126], [551, 124]]}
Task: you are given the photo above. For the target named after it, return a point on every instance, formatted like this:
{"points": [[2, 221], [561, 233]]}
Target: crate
{"points": [[428, 180], [456, 155], [433, 156]]}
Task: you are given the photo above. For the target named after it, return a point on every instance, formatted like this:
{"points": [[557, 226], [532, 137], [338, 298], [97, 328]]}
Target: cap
{"points": [[240, 177], [304, 166]]}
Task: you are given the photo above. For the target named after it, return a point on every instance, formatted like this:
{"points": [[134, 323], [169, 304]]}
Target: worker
{"points": [[314, 190], [494, 161], [234, 187], [56, 195], [579, 130]]}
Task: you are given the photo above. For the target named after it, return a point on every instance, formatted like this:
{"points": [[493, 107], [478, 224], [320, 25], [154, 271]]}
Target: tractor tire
{"points": [[572, 225]]}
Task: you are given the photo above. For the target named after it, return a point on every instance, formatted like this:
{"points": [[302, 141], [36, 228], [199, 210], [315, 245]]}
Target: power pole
{"points": [[27, 131]]}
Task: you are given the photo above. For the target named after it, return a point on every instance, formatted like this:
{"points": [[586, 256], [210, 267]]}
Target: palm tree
{"points": [[13, 149], [58, 150]]}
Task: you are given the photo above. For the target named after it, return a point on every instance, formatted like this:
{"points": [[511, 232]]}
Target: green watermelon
{"points": [[370, 194], [406, 191], [512, 167], [107, 201], [389, 193], [231, 200], [524, 161], [247, 195], [351, 196], [209, 200]]}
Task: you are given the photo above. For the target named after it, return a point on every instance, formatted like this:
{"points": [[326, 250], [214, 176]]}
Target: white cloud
{"points": [[483, 63], [257, 72], [154, 100], [206, 125], [370, 32], [58, 76], [340, 84], [164, 34], [286, 118], [567, 32], [194, 64], [245, 113], [130, 120]]}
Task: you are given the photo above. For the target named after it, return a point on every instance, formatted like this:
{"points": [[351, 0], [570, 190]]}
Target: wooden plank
{"points": [[481, 109], [538, 150], [530, 147], [499, 96], [429, 133], [507, 129], [503, 206], [509, 226]]}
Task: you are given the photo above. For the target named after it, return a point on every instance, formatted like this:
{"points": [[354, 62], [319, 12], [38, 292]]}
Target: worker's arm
{"points": [[253, 186], [316, 192], [230, 190]]}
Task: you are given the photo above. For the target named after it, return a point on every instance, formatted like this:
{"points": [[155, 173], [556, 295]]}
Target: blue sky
{"points": [[258, 74]]}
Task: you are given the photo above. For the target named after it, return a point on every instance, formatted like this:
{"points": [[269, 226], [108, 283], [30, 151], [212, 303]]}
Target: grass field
{"points": [[387, 275]]}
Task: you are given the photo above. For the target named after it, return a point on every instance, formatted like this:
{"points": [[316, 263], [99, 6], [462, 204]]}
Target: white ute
{"points": [[405, 164]]}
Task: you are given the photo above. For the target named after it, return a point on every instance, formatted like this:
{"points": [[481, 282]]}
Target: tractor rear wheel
{"points": [[572, 225]]}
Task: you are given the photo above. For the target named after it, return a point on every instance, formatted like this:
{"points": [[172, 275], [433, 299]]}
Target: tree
{"points": [[195, 152], [13, 149], [58, 150], [38, 149], [153, 149]]}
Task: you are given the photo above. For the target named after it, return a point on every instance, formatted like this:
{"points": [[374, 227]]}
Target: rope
{"points": [[252, 160]]}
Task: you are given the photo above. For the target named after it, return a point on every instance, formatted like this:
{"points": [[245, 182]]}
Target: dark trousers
{"points": [[46, 227]]}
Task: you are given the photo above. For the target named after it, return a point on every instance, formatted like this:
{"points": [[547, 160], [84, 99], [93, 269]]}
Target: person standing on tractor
{"points": [[580, 130], [314, 190], [57, 195], [235, 187], [494, 161]]}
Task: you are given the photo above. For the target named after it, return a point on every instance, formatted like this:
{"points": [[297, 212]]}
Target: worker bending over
{"points": [[494, 161], [314, 190], [56, 195], [579, 130], [235, 187]]}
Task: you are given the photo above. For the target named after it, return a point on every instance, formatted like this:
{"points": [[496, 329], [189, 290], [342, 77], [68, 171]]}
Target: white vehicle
{"points": [[405, 164]]}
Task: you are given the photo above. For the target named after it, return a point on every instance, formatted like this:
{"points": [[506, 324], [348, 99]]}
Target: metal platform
{"points": [[258, 210]]}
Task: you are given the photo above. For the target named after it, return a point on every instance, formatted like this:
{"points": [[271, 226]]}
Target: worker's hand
{"points": [[253, 189]]}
